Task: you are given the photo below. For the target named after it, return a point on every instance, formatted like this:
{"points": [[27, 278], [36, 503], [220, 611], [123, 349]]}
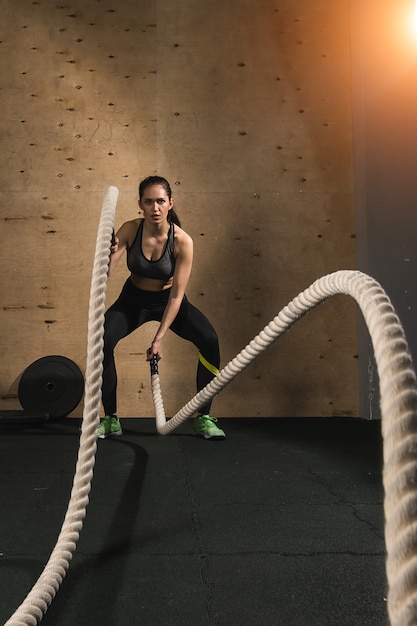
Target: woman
{"points": [[159, 257]]}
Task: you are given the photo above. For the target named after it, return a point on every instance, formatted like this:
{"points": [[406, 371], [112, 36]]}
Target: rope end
{"points": [[154, 365]]}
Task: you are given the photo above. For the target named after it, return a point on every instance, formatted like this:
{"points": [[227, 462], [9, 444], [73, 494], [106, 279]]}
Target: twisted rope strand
{"points": [[398, 392], [40, 597]]}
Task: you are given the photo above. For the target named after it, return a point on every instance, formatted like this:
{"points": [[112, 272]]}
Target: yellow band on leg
{"points": [[208, 365]]}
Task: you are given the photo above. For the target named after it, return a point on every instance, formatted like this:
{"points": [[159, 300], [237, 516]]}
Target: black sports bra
{"points": [[138, 264]]}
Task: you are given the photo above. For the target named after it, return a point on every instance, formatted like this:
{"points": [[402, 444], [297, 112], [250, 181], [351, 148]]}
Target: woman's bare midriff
{"points": [[150, 284]]}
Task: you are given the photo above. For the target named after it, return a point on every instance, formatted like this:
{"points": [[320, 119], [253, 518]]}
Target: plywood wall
{"points": [[245, 107]]}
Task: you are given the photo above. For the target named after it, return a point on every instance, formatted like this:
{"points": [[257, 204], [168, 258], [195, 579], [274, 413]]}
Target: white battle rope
{"points": [[398, 393], [40, 597]]}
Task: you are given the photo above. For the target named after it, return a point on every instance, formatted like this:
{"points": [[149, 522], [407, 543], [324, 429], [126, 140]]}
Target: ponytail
{"points": [[173, 218]]}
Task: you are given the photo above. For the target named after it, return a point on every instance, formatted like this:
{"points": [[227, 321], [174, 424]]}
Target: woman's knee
{"points": [[113, 332]]}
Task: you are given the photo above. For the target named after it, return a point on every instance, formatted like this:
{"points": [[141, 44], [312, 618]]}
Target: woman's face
{"points": [[155, 204]]}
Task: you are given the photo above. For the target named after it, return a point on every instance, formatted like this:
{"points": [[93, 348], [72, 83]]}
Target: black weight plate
{"points": [[52, 385]]}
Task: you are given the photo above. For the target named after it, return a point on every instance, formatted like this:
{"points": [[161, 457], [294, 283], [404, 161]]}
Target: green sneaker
{"points": [[109, 427], [205, 426]]}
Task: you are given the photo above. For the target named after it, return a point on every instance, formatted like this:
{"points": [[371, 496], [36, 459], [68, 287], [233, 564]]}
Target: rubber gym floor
{"points": [[281, 524]]}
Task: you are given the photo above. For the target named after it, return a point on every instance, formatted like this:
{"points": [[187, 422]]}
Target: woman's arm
{"points": [[183, 265], [121, 242]]}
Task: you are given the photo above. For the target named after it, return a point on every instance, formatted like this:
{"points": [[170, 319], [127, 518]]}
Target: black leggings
{"points": [[133, 308]]}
